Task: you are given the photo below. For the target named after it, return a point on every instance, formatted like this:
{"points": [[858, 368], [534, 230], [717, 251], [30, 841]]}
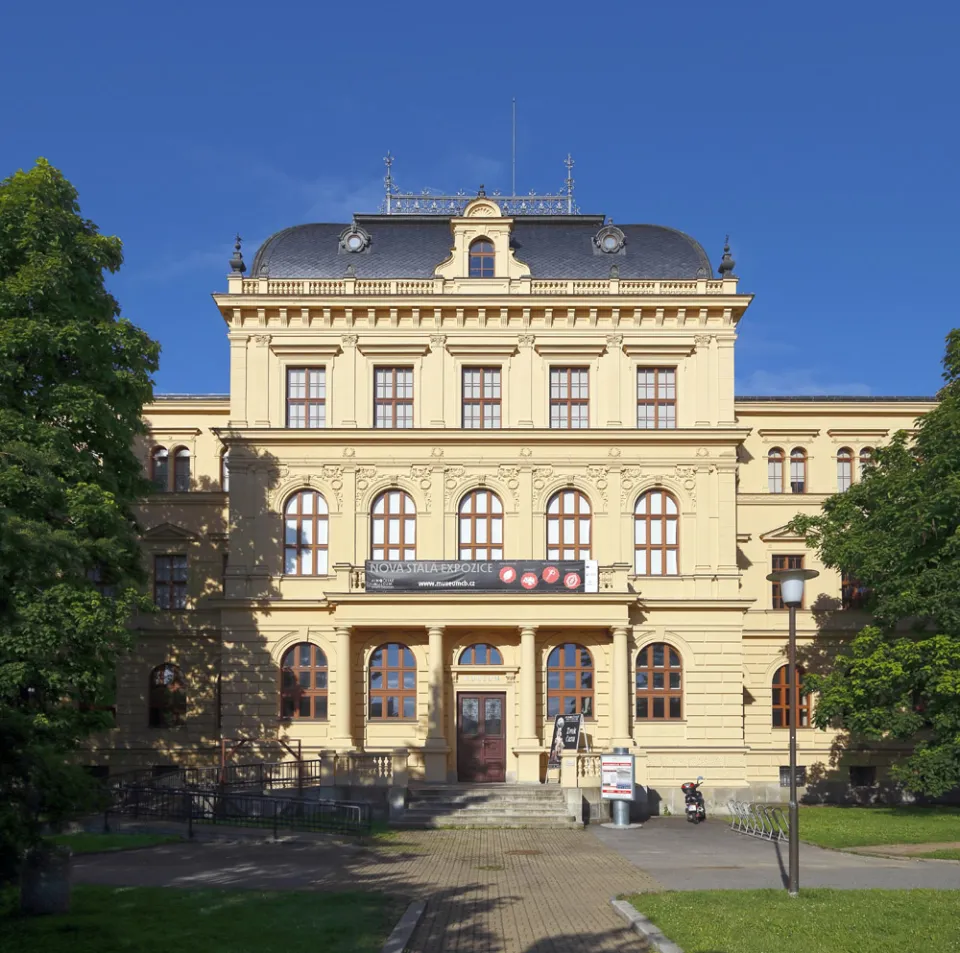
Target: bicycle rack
{"points": [[765, 821]]}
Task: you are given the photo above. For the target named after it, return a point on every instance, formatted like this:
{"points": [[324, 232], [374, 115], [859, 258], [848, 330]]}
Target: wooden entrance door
{"points": [[481, 736]]}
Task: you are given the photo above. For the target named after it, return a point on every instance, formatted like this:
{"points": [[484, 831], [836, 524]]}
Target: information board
{"points": [[616, 777]]}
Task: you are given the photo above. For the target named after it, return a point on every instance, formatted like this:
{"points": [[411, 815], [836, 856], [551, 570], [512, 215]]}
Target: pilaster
{"points": [[528, 743], [435, 749], [619, 676], [342, 739]]}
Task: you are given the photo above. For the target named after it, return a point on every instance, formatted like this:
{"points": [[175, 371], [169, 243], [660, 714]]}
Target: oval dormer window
{"points": [[609, 239], [354, 239]]}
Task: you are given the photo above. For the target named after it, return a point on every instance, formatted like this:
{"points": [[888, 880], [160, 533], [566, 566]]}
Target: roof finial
{"points": [[568, 162], [727, 263], [482, 193], [236, 262]]}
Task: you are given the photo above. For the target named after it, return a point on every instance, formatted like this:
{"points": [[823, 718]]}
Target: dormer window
{"points": [[481, 258]]}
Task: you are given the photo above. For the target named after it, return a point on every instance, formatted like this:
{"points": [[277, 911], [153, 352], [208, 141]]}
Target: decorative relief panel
{"points": [[511, 477]]}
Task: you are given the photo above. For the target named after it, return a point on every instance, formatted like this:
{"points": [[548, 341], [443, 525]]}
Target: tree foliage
{"points": [[897, 531], [74, 377]]}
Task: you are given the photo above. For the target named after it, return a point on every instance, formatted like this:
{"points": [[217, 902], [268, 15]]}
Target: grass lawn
{"points": [[84, 843], [869, 826], [160, 919], [827, 921]]}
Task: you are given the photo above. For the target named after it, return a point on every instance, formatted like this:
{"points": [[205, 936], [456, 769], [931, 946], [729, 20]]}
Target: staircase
{"points": [[487, 805]]}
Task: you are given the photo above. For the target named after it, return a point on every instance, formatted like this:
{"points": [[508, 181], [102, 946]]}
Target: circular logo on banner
{"points": [[571, 580], [529, 580], [550, 574], [508, 574]]}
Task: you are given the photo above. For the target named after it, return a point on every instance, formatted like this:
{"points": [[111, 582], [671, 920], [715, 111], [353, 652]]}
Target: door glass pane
{"points": [[493, 716], [469, 715]]}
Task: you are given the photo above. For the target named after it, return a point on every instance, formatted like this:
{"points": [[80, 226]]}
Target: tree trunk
{"points": [[45, 880]]}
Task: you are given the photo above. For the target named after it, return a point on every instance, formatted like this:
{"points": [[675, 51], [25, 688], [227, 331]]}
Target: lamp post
{"points": [[791, 592]]}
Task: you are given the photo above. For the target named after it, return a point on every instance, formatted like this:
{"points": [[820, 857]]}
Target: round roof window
{"points": [[609, 239], [354, 239]]}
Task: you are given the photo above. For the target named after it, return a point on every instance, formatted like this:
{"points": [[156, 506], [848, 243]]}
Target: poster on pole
{"points": [[566, 737], [616, 777]]}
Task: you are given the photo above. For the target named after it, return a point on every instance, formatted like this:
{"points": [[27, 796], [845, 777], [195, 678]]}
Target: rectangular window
{"points": [[393, 398], [656, 398], [784, 562], [853, 593], [306, 397], [569, 398], [170, 582], [863, 775], [481, 398], [785, 775]]}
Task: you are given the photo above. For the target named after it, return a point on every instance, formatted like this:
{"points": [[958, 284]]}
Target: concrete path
{"points": [[487, 891], [711, 857], [906, 850]]}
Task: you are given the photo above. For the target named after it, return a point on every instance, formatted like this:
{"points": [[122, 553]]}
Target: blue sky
{"points": [[823, 137]]}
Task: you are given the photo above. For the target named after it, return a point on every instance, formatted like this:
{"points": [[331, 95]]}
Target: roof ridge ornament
{"points": [[727, 264], [396, 202], [236, 262]]}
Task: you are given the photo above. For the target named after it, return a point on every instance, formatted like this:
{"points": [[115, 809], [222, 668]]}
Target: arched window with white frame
{"points": [[844, 469]]}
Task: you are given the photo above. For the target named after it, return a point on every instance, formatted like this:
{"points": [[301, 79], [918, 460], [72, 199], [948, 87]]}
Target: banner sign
{"points": [[566, 737], [522, 575], [616, 777]]}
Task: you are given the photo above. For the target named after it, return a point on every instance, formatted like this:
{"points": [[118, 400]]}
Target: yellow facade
{"points": [[245, 611]]}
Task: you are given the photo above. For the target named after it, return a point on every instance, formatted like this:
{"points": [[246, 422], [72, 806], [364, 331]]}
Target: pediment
{"points": [[782, 534], [168, 531]]}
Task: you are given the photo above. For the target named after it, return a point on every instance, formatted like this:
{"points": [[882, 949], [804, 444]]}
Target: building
{"points": [[461, 380]]}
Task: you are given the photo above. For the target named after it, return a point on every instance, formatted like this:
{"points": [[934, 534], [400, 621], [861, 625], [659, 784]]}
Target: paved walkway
{"points": [[907, 850], [487, 891], [710, 856]]}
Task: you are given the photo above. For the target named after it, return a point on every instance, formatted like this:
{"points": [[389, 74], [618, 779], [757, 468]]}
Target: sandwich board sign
{"points": [[567, 731]]}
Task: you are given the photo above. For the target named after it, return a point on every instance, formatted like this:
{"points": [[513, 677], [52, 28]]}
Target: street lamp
{"points": [[791, 592]]}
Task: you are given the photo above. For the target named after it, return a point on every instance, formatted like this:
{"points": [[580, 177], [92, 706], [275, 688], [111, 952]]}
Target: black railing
{"points": [[238, 810], [263, 775]]}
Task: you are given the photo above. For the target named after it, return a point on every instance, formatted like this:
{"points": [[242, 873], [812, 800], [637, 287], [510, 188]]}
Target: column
{"points": [[343, 722], [435, 749], [528, 743], [620, 696]]}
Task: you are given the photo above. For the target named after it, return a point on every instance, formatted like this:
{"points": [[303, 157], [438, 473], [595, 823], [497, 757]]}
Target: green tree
{"points": [[74, 377], [898, 533]]}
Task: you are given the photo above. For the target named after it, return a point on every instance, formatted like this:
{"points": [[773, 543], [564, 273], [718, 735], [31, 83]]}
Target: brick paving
{"points": [[487, 891]]}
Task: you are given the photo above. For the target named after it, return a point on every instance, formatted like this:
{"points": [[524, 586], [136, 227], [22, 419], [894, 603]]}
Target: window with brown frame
{"points": [[306, 398], [303, 682], [656, 398], [798, 470], [656, 546], [160, 468], [570, 681], [481, 526], [393, 398], [866, 460], [305, 534], [481, 654], [481, 398], [783, 562], [844, 469], [659, 683], [569, 526], [181, 471], [853, 593], [170, 581], [393, 682], [775, 463], [393, 526], [167, 697], [569, 398], [781, 699], [482, 258]]}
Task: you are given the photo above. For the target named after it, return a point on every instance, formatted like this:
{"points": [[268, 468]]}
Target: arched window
{"points": [[568, 526], [167, 697], [393, 527], [225, 471], [181, 470], [866, 460], [481, 654], [570, 681], [481, 258], [303, 682], [305, 534], [481, 526], [655, 541], [798, 470], [393, 682], [844, 469], [775, 470], [781, 699], [160, 468], [659, 683]]}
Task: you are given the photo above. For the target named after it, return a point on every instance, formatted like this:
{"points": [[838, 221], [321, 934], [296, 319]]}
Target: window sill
{"points": [[392, 721]]}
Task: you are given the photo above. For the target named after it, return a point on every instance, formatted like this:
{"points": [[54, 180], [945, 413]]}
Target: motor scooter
{"points": [[693, 801]]}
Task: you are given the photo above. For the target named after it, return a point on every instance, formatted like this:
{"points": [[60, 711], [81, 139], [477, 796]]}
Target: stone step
{"points": [[559, 811], [487, 799], [490, 820]]}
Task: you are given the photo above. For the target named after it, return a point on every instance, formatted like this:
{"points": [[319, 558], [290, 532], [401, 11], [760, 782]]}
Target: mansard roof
{"points": [[411, 246]]}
